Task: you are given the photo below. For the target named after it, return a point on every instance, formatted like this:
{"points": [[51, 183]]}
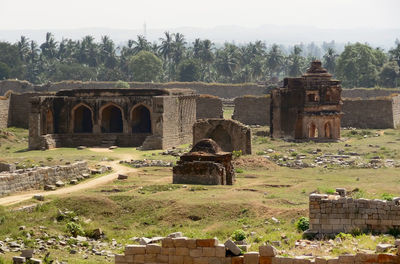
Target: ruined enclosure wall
{"points": [[219, 89], [376, 114], [20, 109], [334, 214], [208, 107], [21, 180], [251, 110], [368, 93], [4, 112], [396, 111], [209, 251]]}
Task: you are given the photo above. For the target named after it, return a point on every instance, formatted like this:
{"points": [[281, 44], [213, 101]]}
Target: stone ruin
{"points": [[205, 164], [307, 107], [230, 135], [151, 118]]}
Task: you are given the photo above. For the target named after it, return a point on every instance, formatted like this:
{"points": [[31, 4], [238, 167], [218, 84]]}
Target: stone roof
{"points": [[206, 146], [316, 70]]}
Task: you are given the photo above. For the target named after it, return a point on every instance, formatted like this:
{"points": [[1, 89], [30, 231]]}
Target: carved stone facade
{"points": [[205, 164], [307, 107], [152, 118]]}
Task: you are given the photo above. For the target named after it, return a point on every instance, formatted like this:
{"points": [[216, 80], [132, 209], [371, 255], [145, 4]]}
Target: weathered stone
{"points": [[19, 260], [232, 247], [38, 197], [122, 177], [251, 258], [176, 234], [27, 253], [383, 247], [49, 187], [207, 242], [267, 251], [60, 184]]}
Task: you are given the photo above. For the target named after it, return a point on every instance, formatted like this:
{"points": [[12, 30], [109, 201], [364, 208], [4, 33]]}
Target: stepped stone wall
{"points": [[209, 251], [332, 214], [252, 110], [21, 180]]}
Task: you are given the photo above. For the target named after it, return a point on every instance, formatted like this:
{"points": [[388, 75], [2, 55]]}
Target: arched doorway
{"points": [[222, 137], [328, 130], [83, 120], [312, 131], [49, 125], [141, 120], [111, 120]]}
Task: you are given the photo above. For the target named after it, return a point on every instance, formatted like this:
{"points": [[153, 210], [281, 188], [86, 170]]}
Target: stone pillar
{"points": [[34, 125]]}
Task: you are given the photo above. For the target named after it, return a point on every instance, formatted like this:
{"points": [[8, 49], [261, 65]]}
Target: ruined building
{"points": [[307, 107], [205, 164], [152, 118]]}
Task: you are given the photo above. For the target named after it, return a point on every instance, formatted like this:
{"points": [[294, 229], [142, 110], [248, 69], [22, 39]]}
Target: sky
{"points": [[132, 14]]}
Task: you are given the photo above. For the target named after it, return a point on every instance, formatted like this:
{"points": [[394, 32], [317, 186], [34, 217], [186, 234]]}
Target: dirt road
{"points": [[117, 168]]}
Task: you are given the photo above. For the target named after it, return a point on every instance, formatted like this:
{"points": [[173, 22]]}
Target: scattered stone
{"points": [[232, 247], [19, 260], [122, 177], [27, 253], [60, 184], [38, 197], [81, 147], [49, 187], [148, 163], [86, 175], [380, 248], [175, 235], [113, 147], [73, 181], [144, 241], [267, 251], [276, 221], [35, 261]]}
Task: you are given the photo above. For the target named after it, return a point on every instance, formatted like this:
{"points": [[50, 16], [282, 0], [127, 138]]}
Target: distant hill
{"points": [[286, 35]]}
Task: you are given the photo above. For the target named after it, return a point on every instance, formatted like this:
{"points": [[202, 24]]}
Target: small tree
{"points": [[189, 70], [145, 66], [389, 74], [4, 71]]}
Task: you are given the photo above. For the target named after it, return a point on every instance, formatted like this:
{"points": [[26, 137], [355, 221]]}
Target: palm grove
{"points": [[172, 58]]}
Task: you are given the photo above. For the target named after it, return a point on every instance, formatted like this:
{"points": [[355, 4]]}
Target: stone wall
{"points": [[332, 214], [252, 110], [208, 106], [20, 180], [4, 111], [365, 93], [377, 113], [208, 251], [218, 89]]}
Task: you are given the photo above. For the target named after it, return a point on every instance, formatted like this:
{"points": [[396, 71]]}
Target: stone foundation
{"points": [[209, 251], [21, 180], [332, 214], [252, 110]]}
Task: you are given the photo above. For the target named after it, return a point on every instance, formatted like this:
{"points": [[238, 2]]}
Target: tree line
{"points": [[172, 58]]}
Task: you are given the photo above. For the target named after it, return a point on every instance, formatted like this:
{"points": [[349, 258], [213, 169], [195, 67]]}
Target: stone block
{"points": [[216, 260], [320, 261], [251, 258], [19, 260], [27, 253], [191, 243], [196, 252], [167, 242], [180, 242], [35, 261], [220, 251], [139, 259], [182, 251], [187, 260], [347, 259], [267, 251], [333, 261], [365, 257], [207, 242], [150, 258], [162, 258], [388, 258], [238, 260], [153, 249], [265, 260], [164, 251], [135, 249], [232, 247], [209, 252], [201, 260]]}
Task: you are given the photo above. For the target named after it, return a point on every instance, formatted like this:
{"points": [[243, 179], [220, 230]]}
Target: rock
{"points": [[81, 238], [232, 247], [60, 184], [276, 221], [122, 177], [341, 192], [86, 175], [18, 260], [397, 242], [73, 181], [380, 248], [27, 253], [35, 261], [267, 251], [38, 197], [72, 251], [81, 147], [113, 147], [22, 227], [144, 241], [97, 233], [49, 187], [175, 235]]}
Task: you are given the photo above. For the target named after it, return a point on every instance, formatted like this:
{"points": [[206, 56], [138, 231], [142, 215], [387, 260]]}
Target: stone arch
{"points": [[49, 122], [222, 137], [328, 130], [312, 131], [141, 119], [111, 118], [82, 119]]}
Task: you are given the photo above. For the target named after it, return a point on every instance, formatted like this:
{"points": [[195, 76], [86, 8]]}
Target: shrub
{"points": [[303, 224], [387, 196], [122, 84], [237, 153], [238, 170], [344, 236], [239, 235], [356, 232], [394, 231], [75, 229]]}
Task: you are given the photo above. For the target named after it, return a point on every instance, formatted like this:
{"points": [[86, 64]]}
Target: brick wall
{"points": [[368, 93], [331, 214], [4, 112], [208, 251], [21, 180], [252, 110], [373, 113], [208, 107]]}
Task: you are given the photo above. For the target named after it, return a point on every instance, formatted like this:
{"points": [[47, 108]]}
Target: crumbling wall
{"points": [[252, 110], [15, 86], [208, 106], [332, 214], [21, 180], [367, 93], [396, 111], [207, 251], [374, 113], [4, 111]]}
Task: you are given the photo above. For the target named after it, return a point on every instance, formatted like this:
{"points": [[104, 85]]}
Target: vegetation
{"points": [[303, 224], [174, 59]]}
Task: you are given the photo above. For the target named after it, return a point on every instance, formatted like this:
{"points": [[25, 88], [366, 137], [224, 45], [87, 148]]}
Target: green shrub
{"points": [[394, 231], [344, 236], [387, 196], [122, 84], [239, 235], [303, 224], [239, 170], [356, 232], [75, 229], [237, 153]]}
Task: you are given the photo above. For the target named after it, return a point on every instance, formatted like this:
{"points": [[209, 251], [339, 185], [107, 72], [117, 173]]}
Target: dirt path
{"points": [[117, 168]]}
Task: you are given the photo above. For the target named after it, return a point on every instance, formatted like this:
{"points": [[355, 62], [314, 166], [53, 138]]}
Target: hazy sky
{"points": [[131, 14]]}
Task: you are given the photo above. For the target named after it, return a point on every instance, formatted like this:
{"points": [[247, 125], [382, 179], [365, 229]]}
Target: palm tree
{"points": [[23, 48], [107, 52], [330, 60], [275, 60], [227, 61], [141, 44], [49, 47], [166, 45]]}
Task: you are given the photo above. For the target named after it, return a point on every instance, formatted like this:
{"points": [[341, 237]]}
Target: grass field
{"points": [[147, 204]]}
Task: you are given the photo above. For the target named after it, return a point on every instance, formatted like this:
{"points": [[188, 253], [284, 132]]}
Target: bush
{"points": [[122, 84], [238, 170], [237, 153], [303, 224], [239, 235], [387, 196], [75, 229], [344, 236]]}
